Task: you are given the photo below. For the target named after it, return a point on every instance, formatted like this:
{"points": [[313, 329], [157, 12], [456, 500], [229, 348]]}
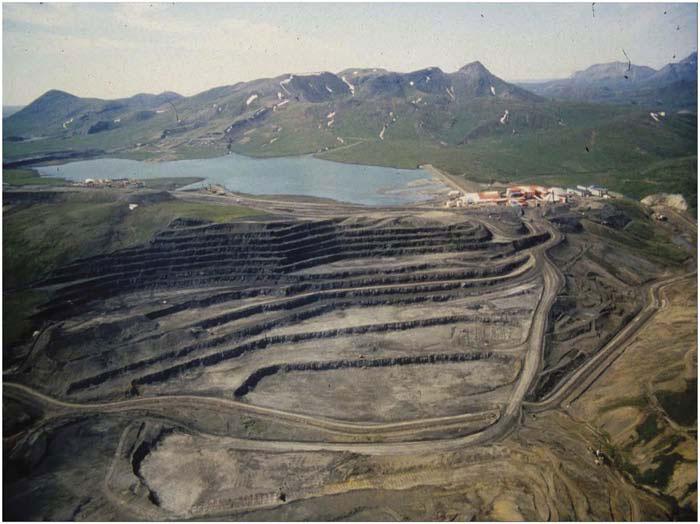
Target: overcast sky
{"points": [[117, 50]]}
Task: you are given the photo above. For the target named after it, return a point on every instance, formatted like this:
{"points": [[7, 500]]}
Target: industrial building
{"points": [[526, 195]]}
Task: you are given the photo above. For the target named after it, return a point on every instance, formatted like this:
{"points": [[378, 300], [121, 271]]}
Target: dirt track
{"points": [[570, 389]]}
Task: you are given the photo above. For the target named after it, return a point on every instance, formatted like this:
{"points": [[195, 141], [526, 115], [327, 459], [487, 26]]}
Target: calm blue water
{"points": [[304, 175]]}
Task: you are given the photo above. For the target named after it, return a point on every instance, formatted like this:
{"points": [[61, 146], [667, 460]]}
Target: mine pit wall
{"points": [[388, 291], [245, 237], [99, 335], [241, 262], [278, 260], [333, 300], [252, 380], [268, 253], [608, 301], [125, 483], [325, 286], [260, 238], [551, 378], [384, 295], [329, 302], [149, 436], [264, 343]]}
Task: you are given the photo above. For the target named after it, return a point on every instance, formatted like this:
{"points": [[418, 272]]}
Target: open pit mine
{"points": [[323, 361]]}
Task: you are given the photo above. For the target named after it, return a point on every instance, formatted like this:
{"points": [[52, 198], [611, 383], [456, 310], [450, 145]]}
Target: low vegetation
{"points": [[648, 429], [625, 154], [640, 235], [29, 177], [15, 308], [681, 406], [38, 238], [553, 142]]}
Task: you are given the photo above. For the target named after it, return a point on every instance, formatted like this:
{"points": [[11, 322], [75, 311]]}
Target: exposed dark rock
{"points": [[613, 217], [101, 126]]}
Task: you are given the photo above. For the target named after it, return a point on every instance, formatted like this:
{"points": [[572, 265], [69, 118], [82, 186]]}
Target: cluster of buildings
{"points": [[121, 183], [523, 196]]}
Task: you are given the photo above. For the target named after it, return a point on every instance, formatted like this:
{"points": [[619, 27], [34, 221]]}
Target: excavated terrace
{"points": [[418, 316]]}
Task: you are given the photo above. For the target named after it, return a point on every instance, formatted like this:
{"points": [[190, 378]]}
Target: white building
{"points": [[471, 198], [598, 191]]}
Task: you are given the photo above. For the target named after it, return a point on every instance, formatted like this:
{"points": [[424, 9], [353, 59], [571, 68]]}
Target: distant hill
{"points": [[673, 87], [57, 113], [10, 110]]}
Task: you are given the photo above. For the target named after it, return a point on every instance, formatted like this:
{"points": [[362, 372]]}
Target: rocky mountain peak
{"points": [[475, 69]]}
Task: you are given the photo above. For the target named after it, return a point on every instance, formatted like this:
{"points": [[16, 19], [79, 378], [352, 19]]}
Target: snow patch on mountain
{"points": [[350, 86], [504, 118]]}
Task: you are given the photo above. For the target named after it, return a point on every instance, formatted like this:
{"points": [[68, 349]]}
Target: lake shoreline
{"points": [[299, 176]]}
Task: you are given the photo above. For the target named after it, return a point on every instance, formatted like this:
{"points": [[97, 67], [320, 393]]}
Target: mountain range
{"points": [[246, 103], [448, 107], [469, 122], [673, 87]]}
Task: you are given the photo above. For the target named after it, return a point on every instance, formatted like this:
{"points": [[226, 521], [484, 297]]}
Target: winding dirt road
{"points": [[577, 383], [59, 407]]}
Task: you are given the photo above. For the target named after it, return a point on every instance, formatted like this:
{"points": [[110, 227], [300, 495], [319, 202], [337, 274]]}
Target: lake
{"points": [[302, 175]]}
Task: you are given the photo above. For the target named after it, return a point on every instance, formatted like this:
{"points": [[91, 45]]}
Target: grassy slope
{"points": [[122, 137], [16, 309], [29, 177], [627, 153], [633, 431], [41, 237], [641, 235]]}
